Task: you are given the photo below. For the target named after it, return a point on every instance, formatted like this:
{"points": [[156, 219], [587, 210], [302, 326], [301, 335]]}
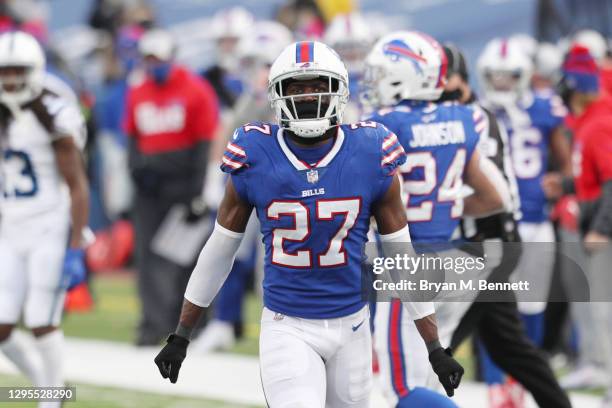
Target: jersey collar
{"points": [[301, 165]]}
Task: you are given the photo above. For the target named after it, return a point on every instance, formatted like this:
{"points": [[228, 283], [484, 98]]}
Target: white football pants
{"points": [[316, 363], [31, 264]]}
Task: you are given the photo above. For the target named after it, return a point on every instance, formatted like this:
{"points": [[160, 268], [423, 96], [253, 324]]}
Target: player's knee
{"points": [[422, 397], [5, 331], [41, 331]]}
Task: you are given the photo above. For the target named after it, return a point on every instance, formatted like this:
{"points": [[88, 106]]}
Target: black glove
{"points": [[170, 358], [448, 370], [196, 210]]}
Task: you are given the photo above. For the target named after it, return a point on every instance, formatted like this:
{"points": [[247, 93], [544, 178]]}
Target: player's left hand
{"points": [[170, 358], [448, 370], [74, 268]]}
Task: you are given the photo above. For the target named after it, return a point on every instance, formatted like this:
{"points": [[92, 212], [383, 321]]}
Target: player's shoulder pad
{"points": [[240, 145], [392, 152], [381, 139], [472, 116], [60, 116], [388, 115], [364, 133], [480, 118]]}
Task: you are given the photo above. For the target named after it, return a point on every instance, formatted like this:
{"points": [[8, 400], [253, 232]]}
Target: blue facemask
{"points": [[160, 72]]}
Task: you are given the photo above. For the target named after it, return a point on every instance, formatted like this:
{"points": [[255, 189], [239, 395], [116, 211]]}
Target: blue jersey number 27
{"points": [[326, 210], [27, 184]]}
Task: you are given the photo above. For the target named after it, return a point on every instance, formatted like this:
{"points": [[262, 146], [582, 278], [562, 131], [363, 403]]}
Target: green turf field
{"points": [[88, 396], [116, 313], [115, 317]]}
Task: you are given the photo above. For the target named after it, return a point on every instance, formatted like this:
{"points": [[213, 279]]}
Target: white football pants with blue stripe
{"points": [[316, 363], [402, 354]]}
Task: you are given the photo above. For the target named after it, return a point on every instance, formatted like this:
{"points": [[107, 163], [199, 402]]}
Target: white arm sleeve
{"points": [[416, 310], [214, 264]]}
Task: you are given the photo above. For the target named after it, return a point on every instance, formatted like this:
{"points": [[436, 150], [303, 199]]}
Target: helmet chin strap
{"points": [[327, 134], [309, 128]]}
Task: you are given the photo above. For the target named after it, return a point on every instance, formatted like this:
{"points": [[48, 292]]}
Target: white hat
{"points": [[158, 43]]}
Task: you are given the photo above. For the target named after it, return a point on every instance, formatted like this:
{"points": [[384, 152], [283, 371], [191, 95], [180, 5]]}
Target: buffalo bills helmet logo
{"points": [[398, 49]]}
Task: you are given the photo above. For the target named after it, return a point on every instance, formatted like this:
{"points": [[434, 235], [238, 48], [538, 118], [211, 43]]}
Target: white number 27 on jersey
{"points": [[326, 210]]}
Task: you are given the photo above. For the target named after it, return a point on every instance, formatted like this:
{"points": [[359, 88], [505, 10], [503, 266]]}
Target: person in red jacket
{"points": [[592, 158], [592, 152], [171, 119]]}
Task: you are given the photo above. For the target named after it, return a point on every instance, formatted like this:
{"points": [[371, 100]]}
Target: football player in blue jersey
{"points": [[498, 324], [405, 73], [314, 184], [533, 120]]}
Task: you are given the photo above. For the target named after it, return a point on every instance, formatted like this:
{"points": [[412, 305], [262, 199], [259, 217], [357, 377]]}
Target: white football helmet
{"points": [[548, 60], [404, 65], [308, 60], [267, 40], [504, 71], [526, 43], [229, 26], [351, 37], [20, 50]]}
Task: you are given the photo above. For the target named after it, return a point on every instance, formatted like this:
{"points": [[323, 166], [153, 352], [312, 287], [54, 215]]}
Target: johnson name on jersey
{"points": [[31, 183], [530, 124], [314, 216], [439, 140]]}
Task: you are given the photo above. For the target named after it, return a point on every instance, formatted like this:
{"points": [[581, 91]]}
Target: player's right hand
{"points": [[170, 358], [448, 370]]}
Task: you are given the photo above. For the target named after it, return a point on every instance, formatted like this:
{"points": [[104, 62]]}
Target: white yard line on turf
{"points": [[222, 377]]}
